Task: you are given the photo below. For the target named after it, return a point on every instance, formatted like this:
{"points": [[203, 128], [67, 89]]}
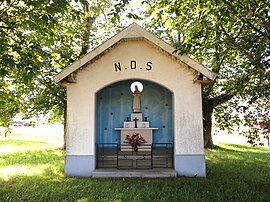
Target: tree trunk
{"points": [[5, 132], [88, 23], [207, 125]]}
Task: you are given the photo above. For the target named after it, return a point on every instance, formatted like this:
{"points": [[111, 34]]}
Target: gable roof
{"points": [[130, 32]]}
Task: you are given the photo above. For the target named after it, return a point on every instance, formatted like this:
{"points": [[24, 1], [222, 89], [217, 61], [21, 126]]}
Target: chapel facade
{"points": [[134, 108]]}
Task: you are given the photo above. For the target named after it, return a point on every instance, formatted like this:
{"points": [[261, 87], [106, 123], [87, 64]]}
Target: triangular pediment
{"points": [[134, 31]]}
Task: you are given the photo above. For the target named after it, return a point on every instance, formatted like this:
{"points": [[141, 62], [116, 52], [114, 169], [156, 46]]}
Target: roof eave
{"points": [[132, 31]]}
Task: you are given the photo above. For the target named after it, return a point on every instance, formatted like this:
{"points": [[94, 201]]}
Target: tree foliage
{"points": [[38, 39], [229, 37], [26, 29]]}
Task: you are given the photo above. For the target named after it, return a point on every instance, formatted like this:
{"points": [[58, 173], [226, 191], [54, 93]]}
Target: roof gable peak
{"points": [[131, 32]]}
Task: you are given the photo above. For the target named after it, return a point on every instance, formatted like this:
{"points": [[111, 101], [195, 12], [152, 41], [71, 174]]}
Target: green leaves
{"points": [[37, 40], [26, 28], [229, 37]]}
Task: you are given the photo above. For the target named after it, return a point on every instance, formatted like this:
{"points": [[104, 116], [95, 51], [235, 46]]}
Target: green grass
{"points": [[31, 169]]}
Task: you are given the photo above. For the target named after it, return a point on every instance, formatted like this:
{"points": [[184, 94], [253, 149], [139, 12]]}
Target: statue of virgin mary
{"points": [[136, 100]]}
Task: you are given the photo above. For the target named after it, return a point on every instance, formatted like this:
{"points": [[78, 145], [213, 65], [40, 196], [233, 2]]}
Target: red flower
{"points": [[135, 139]]}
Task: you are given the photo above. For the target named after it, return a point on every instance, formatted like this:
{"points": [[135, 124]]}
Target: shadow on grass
{"points": [[32, 157], [243, 165], [239, 152], [233, 175], [46, 188]]}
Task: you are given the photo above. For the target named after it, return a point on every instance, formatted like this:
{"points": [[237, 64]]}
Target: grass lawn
{"points": [[31, 169]]}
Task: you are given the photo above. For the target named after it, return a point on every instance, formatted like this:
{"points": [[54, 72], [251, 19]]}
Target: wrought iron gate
{"points": [[148, 156]]}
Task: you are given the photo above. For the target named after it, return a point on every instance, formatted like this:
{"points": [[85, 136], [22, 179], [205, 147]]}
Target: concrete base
{"points": [[192, 165], [153, 173], [185, 165], [79, 165]]}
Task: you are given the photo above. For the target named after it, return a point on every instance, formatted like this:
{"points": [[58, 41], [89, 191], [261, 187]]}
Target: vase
{"points": [[135, 147]]}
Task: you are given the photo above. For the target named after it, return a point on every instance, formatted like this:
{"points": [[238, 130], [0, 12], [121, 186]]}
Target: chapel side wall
{"points": [[165, 71], [188, 121], [79, 113]]}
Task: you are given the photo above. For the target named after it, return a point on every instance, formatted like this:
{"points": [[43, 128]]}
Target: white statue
{"points": [[136, 100]]}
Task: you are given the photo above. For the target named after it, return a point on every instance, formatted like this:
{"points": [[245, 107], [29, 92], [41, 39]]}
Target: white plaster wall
{"points": [[165, 71]]}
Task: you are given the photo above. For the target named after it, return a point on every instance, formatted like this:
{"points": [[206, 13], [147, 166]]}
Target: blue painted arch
{"points": [[114, 105]]}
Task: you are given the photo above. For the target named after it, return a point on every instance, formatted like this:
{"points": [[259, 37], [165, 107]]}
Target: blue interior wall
{"points": [[114, 105]]}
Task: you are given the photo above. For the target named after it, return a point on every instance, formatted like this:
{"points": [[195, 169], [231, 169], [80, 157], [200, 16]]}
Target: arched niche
{"points": [[114, 105]]}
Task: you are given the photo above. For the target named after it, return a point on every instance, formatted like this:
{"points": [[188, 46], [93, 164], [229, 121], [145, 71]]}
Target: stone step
{"points": [[152, 173]]}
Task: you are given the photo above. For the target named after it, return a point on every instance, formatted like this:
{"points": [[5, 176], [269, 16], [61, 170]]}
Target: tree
{"points": [[40, 38], [26, 29], [230, 37], [9, 104], [257, 118], [77, 37]]}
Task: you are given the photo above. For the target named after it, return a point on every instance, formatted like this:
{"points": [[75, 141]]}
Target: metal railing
{"points": [[123, 156]]}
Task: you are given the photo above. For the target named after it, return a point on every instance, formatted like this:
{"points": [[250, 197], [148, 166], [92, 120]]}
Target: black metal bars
{"points": [[148, 156]]}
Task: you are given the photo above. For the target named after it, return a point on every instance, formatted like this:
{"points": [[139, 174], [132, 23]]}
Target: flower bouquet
{"points": [[135, 140]]}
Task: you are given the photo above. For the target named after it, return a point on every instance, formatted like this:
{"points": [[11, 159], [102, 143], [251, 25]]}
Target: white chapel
{"points": [[134, 109]]}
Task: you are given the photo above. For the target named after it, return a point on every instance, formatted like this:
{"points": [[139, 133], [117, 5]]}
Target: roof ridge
{"points": [[132, 31]]}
